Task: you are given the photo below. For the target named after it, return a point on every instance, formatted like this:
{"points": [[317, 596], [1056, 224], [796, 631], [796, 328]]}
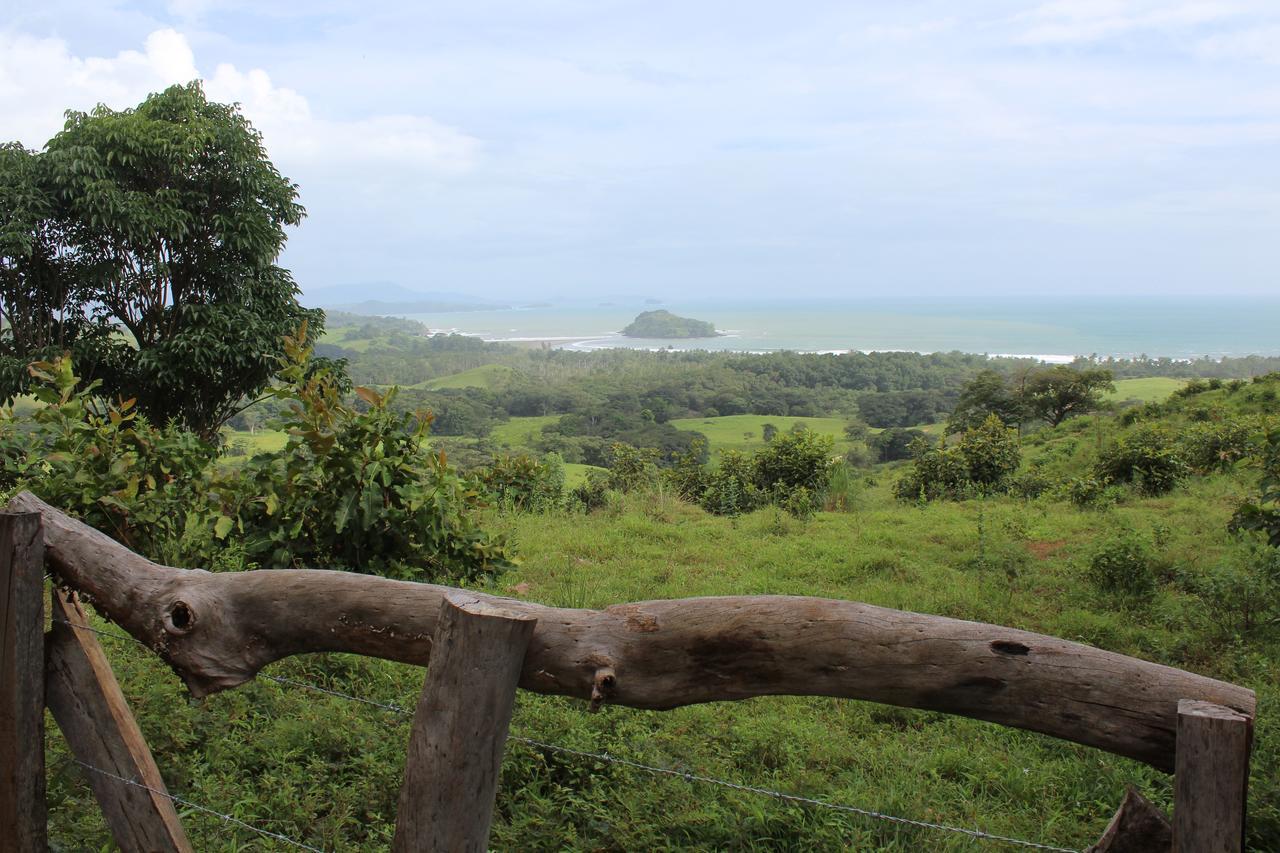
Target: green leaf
{"points": [[222, 526]]}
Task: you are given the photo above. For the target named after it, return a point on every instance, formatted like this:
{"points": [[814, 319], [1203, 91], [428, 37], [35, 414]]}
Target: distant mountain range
{"points": [[385, 297]]}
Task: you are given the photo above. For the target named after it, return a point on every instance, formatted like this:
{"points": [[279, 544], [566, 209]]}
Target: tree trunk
{"points": [[218, 630]]}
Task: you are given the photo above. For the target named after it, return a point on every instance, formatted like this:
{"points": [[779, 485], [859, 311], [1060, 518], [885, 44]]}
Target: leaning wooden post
{"points": [[1211, 777], [85, 699], [460, 726], [22, 804]]}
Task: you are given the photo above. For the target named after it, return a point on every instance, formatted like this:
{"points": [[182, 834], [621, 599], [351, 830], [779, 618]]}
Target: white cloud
{"points": [[1260, 44], [1082, 21], [39, 78]]}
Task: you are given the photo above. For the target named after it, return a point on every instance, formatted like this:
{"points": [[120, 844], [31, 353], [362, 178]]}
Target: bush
{"points": [[521, 483], [1121, 565], [104, 463], [1209, 447], [355, 489], [730, 488], [1088, 492], [631, 468], [591, 494], [1148, 456], [982, 461], [797, 459], [1242, 593]]}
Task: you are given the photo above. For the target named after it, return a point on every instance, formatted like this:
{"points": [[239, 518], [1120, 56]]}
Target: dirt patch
{"points": [[1044, 549]]}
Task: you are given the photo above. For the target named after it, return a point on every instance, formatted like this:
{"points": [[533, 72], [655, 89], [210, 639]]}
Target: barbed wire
{"points": [[780, 795], [657, 770], [182, 801]]}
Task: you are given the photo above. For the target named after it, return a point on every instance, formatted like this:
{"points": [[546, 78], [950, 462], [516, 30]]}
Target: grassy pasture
{"points": [[729, 432], [1154, 389], [262, 441], [520, 432], [485, 376]]}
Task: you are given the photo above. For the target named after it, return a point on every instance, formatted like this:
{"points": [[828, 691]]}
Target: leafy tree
{"points": [[767, 432], [144, 242], [986, 394], [1057, 393], [894, 443]]}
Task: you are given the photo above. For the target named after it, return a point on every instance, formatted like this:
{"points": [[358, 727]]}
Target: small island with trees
{"points": [[664, 324]]}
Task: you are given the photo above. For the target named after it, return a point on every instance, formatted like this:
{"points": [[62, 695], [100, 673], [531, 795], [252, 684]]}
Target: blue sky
{"points": [[937, 150]]}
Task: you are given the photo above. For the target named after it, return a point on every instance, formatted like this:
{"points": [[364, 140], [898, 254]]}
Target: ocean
{"points": [[1049, 330]]}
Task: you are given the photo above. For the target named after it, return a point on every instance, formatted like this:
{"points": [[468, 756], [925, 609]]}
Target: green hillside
{"points": [[1147, 390], [485, 376]]}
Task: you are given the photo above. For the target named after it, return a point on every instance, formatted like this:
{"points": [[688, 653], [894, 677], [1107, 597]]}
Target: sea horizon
{"points": [[1051, 330]]}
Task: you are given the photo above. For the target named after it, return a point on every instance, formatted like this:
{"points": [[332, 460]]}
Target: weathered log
{"points": [[1139, 826], [460, 728], [85, 699], [218, 630], [22, 804], [1212, 778]]}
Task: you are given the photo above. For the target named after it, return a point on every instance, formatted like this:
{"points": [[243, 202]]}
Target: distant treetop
{"points": [[664, 324]]}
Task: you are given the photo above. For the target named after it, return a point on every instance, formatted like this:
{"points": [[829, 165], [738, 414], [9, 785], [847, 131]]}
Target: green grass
{"points": [[485, 376], [520, 432], [1150, 390], [346, 337], [746, 432], [262, 441], [576, 473]]}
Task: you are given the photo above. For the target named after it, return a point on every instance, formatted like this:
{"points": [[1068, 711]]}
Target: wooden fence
{"points": [[218, 631]]}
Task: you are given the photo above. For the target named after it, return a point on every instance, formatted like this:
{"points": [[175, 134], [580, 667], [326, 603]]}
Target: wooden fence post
{"points": [[22, 781], [460, 727], [84, 697], [1211, 777]]}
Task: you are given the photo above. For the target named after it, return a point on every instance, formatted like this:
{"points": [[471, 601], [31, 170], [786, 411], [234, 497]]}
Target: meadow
{"points": [[326, 770]]}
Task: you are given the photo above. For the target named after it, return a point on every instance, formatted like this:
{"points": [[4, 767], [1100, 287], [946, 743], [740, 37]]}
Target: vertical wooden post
{"points": [[22, 804], [85, 698], [460, 727], [1211, 777]]}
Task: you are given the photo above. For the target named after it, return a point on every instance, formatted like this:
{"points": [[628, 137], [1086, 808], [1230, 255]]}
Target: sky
{"points": [[571, 149]]}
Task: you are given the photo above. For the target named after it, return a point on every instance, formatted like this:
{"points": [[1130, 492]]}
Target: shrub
{"points": [[630, 468], [1148, 456], [355, 489], [1121, 564], [1241, 594], [981, 462], [524, 484], [591, 494], [730, 488], [1208, 447], [797, 459], [1087, 492], [990, 452], [1263, 513], [104, 463]]}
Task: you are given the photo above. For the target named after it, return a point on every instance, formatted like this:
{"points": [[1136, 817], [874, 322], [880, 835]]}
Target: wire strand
{"points": [[206, 810], [663, 771]]}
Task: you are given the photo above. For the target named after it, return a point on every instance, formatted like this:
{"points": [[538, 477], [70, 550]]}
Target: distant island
{"points": [[664, 324]]}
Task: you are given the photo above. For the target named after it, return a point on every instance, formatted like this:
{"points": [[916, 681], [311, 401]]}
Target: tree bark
{"points": [[218, 630]]}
